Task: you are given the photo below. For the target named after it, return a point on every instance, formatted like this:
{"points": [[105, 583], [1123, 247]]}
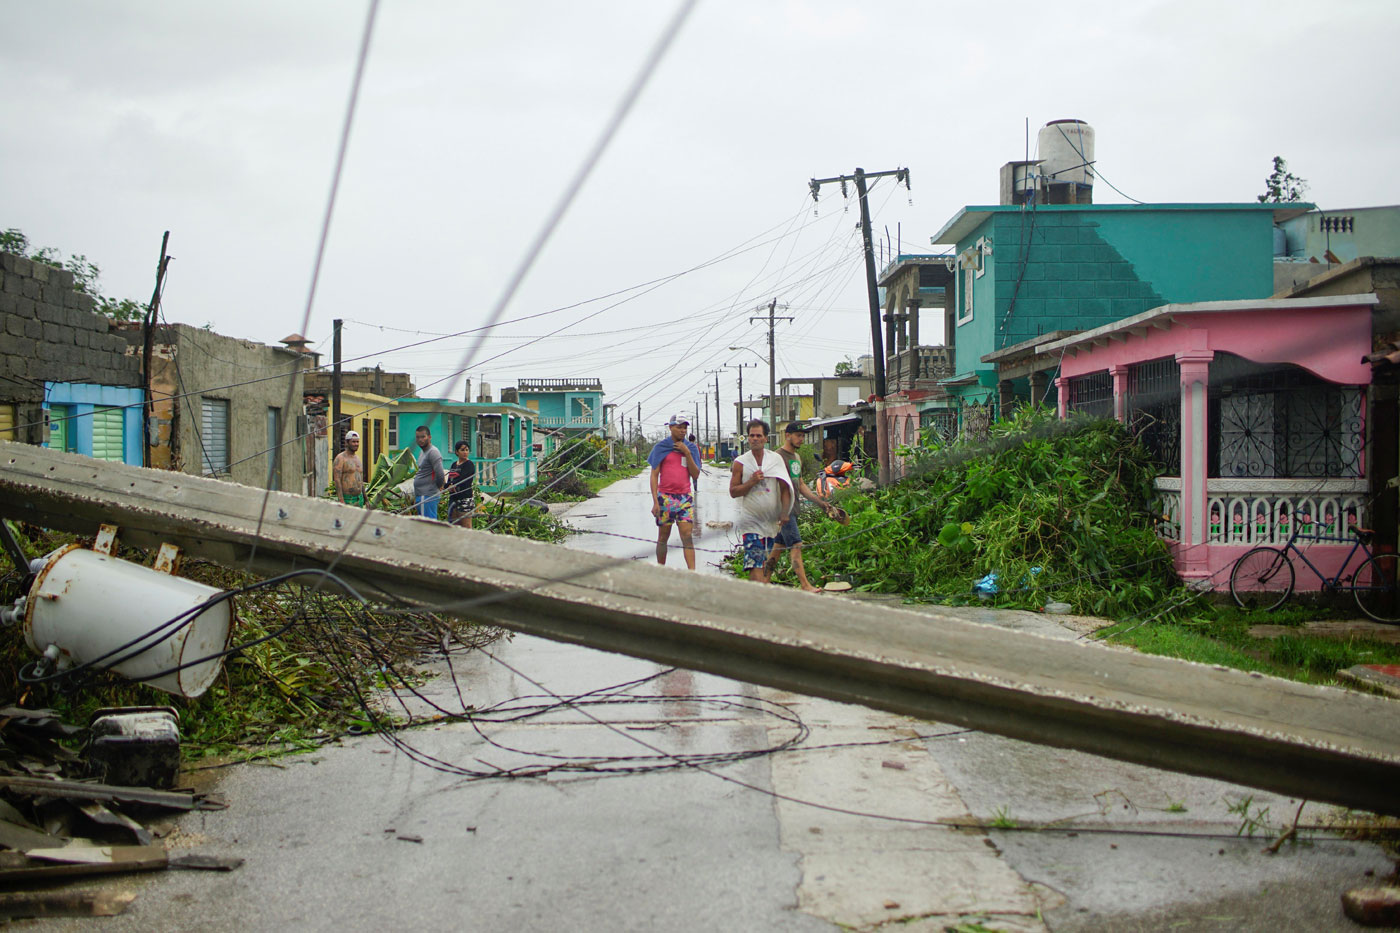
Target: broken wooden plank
{"points": [[102, 903], [83, 790], [1314, 742]]}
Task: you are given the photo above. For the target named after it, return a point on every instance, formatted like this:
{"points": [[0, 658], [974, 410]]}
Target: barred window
{"points": [[1154, 410], [1092, 394]]}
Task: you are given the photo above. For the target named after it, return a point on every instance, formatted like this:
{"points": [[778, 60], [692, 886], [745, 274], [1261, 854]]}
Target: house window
{"points": [[943, 423], [7, 422], [965, 313], [393, 432], [1092, 394], [365, 461], [213, 436], [1282, 421], [847, 395], [1154, 410], [1338, 224], [274, 447]]}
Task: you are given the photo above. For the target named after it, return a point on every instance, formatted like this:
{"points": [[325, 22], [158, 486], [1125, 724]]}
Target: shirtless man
{"points": [[348, 473]]}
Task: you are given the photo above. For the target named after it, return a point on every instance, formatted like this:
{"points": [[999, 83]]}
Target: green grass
{"points": [[597, 482], [1220, 635]]}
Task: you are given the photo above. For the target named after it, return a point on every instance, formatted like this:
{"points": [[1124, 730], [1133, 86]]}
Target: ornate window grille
{"points": [[1154, 410], [1092, 394], [1282, 421], [943, 421]]}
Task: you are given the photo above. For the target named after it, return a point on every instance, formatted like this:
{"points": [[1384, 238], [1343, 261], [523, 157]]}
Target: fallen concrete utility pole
{"points": [[1309, 742]]}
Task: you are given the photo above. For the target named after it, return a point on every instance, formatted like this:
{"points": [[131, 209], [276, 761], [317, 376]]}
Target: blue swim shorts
{"points": [[756, 551]]}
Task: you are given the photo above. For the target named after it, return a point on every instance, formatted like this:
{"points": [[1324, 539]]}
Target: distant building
{"points": [[573, 406], [501, 435], [1315, 241]]}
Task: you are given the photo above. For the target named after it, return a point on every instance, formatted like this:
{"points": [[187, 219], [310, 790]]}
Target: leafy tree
{"points": [[1283, 185], [847, 367], [86, 275]]}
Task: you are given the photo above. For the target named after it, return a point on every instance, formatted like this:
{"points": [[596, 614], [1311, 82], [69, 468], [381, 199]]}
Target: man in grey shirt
{"points": [[430, 478]]}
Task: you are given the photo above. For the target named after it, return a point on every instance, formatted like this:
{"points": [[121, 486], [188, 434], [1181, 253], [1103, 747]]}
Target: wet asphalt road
{"points": [[359, 837]]}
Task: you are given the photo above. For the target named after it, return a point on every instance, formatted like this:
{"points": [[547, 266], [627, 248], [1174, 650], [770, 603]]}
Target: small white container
{"points": [[1058, 609]]}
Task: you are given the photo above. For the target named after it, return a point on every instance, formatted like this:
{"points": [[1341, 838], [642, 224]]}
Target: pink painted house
{"points": [[1256, 410]]}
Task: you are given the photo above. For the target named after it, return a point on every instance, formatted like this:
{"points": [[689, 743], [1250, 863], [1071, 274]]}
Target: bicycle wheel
{"points": [[1377, 588], [1262, 579]]}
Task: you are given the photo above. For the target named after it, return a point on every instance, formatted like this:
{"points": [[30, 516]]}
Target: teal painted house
{"points": [[1024, 272], [574, 406], [502, 437]]}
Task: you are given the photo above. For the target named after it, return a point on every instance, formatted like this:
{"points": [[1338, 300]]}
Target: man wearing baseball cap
{"points": [[348, 473], [675, 464]]}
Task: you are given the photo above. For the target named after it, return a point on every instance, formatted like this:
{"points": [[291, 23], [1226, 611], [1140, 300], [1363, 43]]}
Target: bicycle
{"points": [[1263, 578]]}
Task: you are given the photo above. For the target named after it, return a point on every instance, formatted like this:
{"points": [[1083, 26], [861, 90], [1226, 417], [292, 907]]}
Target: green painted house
{"points": [[1023, 272], [502, 437]]}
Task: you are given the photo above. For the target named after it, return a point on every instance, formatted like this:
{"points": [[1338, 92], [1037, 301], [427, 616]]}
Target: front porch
{"points": [[1256, 411]]}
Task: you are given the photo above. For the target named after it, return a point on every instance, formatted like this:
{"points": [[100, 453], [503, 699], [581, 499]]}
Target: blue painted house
{"points": [[96, 420], [574, 406], [1022, 272]]}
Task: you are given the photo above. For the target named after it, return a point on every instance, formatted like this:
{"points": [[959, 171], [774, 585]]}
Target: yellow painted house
{"points": [[369, 415]]}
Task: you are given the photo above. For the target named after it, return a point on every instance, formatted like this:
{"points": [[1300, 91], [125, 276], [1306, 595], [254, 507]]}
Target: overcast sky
{"points": [[220, 123]]}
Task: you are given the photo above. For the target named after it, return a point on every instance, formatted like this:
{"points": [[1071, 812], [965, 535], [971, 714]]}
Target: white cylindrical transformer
{"points": [[88, 605]]}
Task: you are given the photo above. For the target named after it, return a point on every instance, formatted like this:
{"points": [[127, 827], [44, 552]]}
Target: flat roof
{"points": [[1148, 318], [904, 260], [839, 419], [970, 218], [1026, 347]]}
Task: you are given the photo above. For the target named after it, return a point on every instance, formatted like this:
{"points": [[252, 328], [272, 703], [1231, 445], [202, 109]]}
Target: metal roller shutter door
{"points": [[213, 435], [107, 434]]}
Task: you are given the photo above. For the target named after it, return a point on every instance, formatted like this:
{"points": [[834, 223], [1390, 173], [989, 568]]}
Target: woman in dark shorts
{"points": [[460, 489]]}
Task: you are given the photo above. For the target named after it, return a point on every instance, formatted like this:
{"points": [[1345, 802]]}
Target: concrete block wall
{"points": [[1073, 277], [49, 332]]}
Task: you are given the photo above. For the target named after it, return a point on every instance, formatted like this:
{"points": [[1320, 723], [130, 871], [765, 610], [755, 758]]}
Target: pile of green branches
{"points": [[1058, 510]]}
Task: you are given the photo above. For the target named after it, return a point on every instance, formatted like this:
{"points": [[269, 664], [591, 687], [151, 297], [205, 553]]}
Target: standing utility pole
{"points": [[148, 342], [872, 294], [739, 428], [719, 422], [772, 369], [337, 429]]}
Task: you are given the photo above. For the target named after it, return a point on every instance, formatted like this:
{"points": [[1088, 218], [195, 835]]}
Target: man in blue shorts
{"points": [[675, 464], [760, 479], [789, 537]]}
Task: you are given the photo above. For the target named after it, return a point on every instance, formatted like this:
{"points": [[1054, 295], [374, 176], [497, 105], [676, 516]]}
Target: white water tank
{"points": [[866, 364], [485, 395], [1067, 156]]}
